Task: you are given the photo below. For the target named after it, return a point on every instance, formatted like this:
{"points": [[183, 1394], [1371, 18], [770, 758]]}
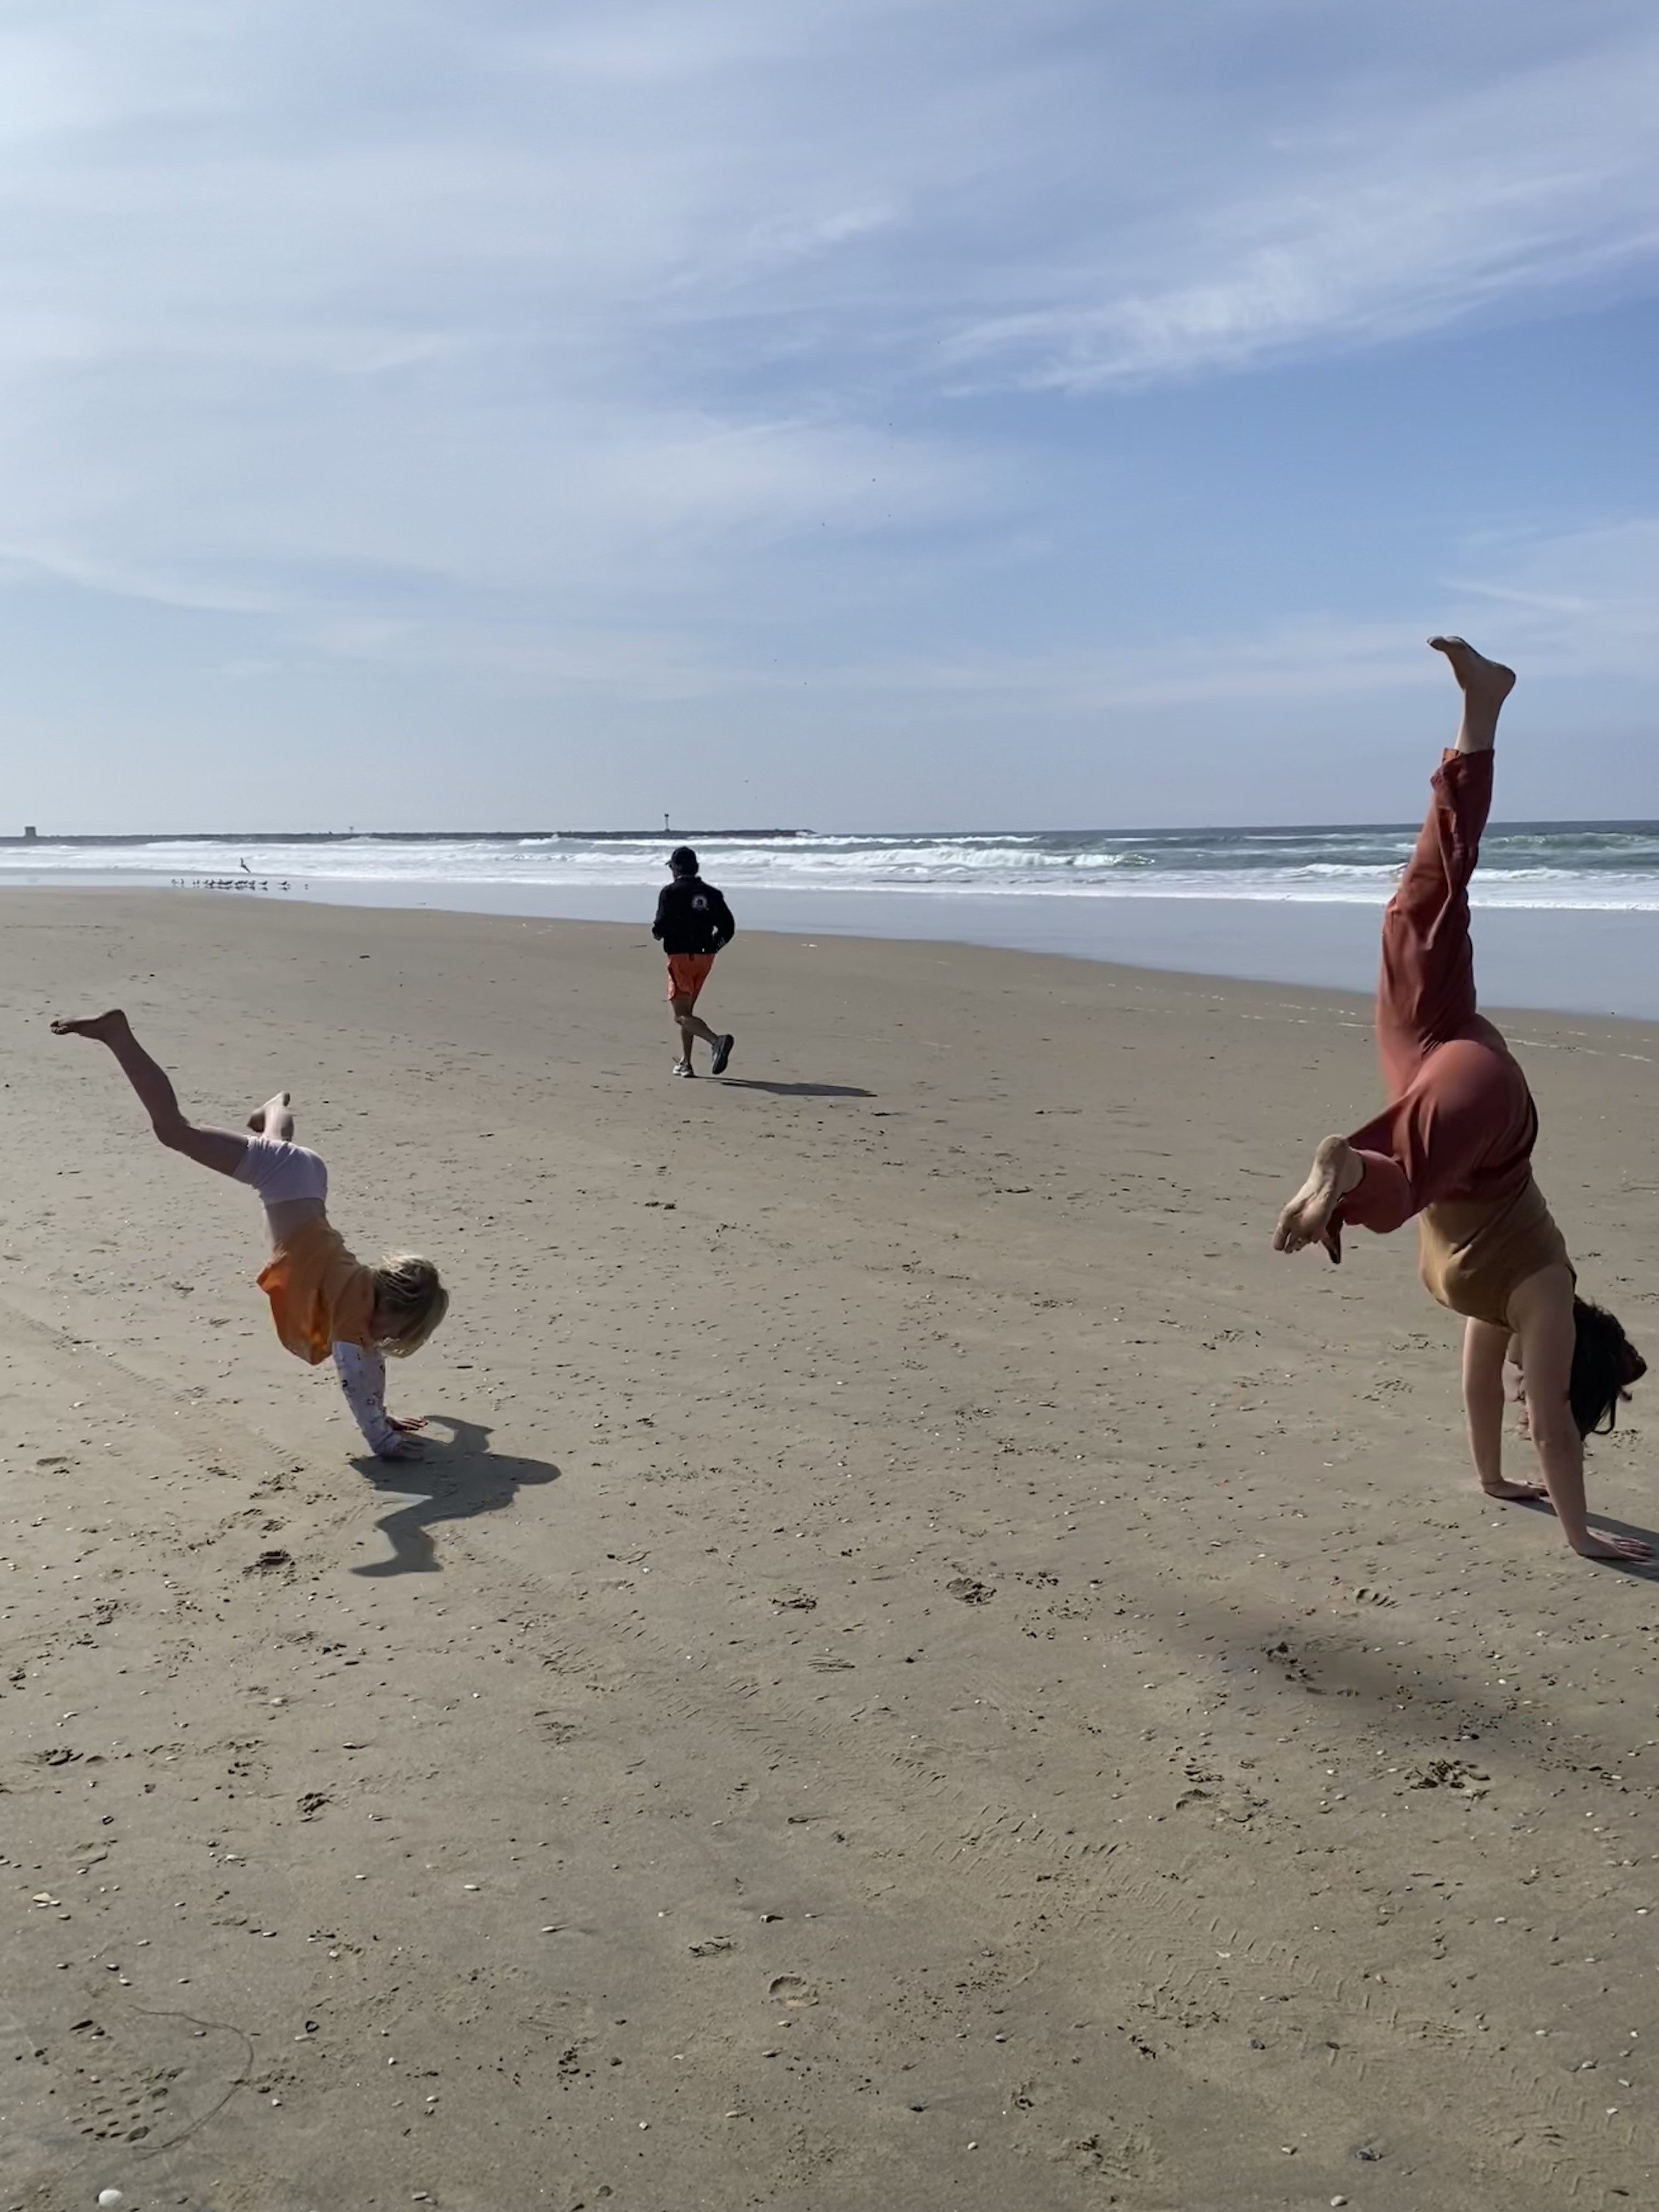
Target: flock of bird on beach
{"points": [[249, 883]]}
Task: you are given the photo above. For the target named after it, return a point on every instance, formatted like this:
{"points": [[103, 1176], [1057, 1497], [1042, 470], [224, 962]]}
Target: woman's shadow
{"points": [[450, 1482]]}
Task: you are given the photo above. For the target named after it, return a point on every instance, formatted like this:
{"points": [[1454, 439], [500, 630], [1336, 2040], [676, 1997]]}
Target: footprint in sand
{"points": [[791, 1990]]}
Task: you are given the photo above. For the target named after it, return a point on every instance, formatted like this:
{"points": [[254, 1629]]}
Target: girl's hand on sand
{"points": [[406, 1428], [1615, 1547]]}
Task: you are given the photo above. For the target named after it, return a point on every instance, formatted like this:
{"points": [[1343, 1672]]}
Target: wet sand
{"points": [[924, 1666], [1595, 961]]}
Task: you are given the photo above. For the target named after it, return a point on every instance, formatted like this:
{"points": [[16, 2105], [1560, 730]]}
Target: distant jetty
{"points": [[390, 836]]}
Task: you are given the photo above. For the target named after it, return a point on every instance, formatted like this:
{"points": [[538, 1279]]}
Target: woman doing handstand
{"points": [[323, 1300], [1454, 1147]]}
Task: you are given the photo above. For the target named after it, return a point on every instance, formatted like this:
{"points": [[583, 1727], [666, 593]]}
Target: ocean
{"points": [[1604, 865], [1567, 913]]}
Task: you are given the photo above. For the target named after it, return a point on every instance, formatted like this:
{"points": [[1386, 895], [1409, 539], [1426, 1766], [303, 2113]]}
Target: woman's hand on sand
{"points": [[1630, 1549]]}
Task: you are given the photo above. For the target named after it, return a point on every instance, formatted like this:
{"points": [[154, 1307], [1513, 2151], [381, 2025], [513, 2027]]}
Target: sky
{"points": [[885, 414]]}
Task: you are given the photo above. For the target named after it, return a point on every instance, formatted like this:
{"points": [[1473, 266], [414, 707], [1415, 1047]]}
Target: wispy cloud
{"points": [[1575, 605], [1571, 607], [1579, 602], [1387, 224], [661, 346]]}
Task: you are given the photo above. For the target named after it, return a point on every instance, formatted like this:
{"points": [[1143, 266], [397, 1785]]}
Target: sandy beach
{"points": [[924, 1667]]}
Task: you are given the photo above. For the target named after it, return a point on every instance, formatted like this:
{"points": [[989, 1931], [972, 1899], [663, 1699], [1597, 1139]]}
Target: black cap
{"points": [[683, 861]]}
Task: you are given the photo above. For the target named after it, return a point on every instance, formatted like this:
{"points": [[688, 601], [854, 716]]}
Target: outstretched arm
{"points": [[362, 1379], [1484, 1350], [1547, 1331]]}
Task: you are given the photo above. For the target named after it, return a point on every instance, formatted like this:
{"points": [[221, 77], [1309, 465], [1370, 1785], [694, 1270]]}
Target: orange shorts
{"points": [[687, 974]]}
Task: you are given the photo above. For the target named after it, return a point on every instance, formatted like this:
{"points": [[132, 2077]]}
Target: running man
{"points": [[693, 922], [1454, 1148]]}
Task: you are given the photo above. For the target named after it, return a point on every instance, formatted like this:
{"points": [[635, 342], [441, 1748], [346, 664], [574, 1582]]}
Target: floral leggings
{"points": [[362, 1378]]}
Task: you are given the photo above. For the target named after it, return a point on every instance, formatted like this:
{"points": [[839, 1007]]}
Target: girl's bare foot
{"points": [[273, 1119], [1337, 1169], [1484, 684], [105, 1028]]}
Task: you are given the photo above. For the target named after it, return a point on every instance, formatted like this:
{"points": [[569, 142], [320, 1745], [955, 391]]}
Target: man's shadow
{"points": [[796, 1089], [451, 1481]]}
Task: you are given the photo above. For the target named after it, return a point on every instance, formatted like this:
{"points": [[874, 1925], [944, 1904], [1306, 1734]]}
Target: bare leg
{"points": [[691, 1026], [222, 1149], [1337, 1169], [1484, 684], [1485, 1350]]}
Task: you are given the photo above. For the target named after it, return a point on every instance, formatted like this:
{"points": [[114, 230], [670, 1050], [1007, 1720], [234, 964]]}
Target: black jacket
{"points": [[692, 917]]}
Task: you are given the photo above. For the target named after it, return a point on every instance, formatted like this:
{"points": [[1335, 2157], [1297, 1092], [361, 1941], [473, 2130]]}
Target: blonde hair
{"points": [[409, 1295]]}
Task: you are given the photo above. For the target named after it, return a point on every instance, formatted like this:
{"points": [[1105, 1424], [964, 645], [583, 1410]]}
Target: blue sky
{"points": [[852, 413]]}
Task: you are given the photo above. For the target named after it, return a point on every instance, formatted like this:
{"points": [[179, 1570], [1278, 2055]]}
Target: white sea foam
{"points": [[1611, 867]]}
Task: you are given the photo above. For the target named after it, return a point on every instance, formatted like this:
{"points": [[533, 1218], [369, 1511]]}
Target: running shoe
{"points": [[722, 1054], [683, 1068]]}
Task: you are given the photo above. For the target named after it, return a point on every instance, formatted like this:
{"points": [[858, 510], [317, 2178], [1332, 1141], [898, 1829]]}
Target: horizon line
{"points": [[254, 838]]}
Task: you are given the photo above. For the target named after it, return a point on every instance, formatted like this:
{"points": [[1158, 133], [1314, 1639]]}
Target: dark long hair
{"points": [[1605, 1363]]}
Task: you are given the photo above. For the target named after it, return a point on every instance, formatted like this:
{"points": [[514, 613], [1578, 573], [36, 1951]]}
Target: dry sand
{"points": [[926, 1668]]}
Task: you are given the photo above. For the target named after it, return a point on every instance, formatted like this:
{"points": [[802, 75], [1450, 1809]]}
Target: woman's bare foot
{"points": [[1627, 1550], [273, 1119], [105, 1028], [1518, 1493], [1484, 684], [1337, 1169]]}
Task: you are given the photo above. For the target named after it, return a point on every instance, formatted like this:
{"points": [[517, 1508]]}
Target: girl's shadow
{"points": [[451, 1481]]}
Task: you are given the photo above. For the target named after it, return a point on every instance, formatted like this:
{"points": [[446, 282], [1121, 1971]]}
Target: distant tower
{"points": [[664, 826], [29, 830]]}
